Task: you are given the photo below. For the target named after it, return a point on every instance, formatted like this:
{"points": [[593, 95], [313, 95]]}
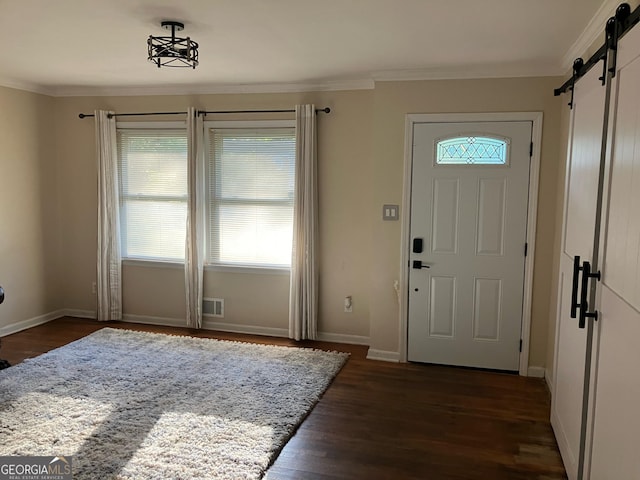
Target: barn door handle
{"points": [[418, 264], [584, 303], [574, 290]]}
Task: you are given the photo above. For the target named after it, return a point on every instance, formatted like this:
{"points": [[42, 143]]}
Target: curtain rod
{"points": [[200, 112], [205, 112], [616, 27], [111, 115]]}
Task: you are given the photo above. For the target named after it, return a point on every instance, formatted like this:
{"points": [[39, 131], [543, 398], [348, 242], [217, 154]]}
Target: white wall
{"points": [[29, 215]]}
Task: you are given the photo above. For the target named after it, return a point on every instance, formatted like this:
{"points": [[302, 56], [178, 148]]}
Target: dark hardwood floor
{"points": [[381, 420]]}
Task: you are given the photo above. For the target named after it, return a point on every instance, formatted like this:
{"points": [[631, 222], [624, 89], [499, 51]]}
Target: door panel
{"points": [[616, 417], [492, 193], [568, 379], [445, 215], [443, 306], [583, 171], [487, 306], [466, 309], [622, 260]]}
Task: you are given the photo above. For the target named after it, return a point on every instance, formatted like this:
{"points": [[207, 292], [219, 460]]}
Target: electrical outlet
{"points": [[93, 288], [348, 304]]}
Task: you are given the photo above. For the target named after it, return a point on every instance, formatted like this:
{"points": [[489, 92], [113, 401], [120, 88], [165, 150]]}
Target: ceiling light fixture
{"points": [[173, 51]]}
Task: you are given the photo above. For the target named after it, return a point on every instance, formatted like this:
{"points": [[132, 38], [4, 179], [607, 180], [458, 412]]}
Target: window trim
{"points": [[152, 263], [244, 268], [240, 125], [222, 267], [159, 263]]}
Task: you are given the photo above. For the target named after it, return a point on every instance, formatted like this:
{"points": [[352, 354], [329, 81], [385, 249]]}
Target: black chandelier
{"points": [[173, 51]]}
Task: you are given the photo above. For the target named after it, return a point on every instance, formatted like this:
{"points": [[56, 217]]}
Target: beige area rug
{"points": [[133, 405]]}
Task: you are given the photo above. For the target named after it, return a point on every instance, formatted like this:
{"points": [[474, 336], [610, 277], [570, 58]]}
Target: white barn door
{"points": [[615, 452], [581, 187]]}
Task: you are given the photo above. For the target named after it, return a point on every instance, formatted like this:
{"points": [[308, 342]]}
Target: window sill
{"points": [[135, 262], [251, 269], [243, 269]]}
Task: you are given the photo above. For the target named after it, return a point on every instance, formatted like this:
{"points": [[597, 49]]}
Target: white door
{"points": [[616, 427], [582, 175], [469, 199]]}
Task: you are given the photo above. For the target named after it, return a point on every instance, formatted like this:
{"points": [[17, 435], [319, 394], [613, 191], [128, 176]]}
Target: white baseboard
{"points": [[30, 322], [72, 312], [150, 320], [211, 324], [549, 380], [383, 355], [207, 324], [248, 329], [536, 372], [340, 338]]}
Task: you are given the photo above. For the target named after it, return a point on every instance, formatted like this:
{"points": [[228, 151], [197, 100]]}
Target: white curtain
{"points": [[109, 283], [194, 248], [303, 297]]}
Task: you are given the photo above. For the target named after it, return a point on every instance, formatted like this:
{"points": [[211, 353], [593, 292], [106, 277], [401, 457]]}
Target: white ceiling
{"points": [[76, 47]]}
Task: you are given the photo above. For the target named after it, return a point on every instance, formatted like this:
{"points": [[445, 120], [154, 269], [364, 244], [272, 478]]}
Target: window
{"points": [[152, 168], [251, 173], [250, 184], [471, 149]]}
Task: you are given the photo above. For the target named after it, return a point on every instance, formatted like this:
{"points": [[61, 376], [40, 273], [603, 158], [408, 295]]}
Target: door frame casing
{"points": [[532, 211]]}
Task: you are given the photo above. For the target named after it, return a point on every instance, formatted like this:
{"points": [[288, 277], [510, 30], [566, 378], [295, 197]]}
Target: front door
{"points": [[469, 201]]}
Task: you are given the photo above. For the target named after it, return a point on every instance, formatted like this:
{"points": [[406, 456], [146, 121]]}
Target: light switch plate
{"points": [[390, 212]]}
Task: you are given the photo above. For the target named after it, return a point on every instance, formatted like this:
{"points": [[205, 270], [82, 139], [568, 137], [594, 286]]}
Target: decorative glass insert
{"points": [[472, 149]]}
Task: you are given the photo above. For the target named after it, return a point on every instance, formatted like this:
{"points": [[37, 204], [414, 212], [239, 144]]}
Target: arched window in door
{"points": [[472, 150]]}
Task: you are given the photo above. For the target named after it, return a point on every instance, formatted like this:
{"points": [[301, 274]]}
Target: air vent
{"points": [[213, 307]]}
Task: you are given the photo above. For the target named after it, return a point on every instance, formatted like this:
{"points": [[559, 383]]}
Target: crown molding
{"points": [[357, 84], [439, 73], [25, 86], [590, 34], [470, 72]]}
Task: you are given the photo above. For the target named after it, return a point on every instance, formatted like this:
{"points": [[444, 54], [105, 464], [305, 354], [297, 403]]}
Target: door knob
{"points": [[417, 264]]}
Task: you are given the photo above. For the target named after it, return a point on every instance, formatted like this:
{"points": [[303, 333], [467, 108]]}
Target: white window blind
{"points": [[153, 193], [251, 183]]}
